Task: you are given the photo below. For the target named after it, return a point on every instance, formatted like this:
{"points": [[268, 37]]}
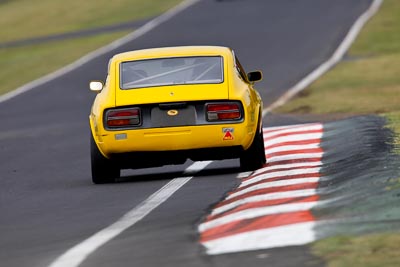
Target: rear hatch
{"points": [[171, 94], [171, 79]]}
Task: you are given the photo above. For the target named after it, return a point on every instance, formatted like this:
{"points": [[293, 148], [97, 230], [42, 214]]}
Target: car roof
{"points": [[177, 51]]}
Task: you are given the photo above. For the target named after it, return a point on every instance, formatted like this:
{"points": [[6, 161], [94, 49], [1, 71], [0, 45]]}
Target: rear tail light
{"points": [[226, 111], [122, 118]]}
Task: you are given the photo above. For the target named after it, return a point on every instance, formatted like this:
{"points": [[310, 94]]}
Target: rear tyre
{"points": [[103, 170], [254, 157]]}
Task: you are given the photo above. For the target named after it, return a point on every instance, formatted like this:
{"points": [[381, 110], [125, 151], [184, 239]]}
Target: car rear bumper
{"points": [[187, 138]]}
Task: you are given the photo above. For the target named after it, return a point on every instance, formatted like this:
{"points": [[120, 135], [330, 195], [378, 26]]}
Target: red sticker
{"points": [[228, 136]]}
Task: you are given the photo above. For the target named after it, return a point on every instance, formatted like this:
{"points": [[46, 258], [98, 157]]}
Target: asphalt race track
{"points": [[47, 201]]}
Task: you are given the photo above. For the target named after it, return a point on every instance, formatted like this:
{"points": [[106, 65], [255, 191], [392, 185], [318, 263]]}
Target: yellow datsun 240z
{"points": [[166, 105]]}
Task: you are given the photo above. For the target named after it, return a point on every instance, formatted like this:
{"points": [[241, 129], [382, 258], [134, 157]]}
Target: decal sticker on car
{"points": [[228, 133]]}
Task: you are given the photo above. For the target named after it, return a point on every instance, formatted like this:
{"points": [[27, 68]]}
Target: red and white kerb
{"points": [[272, 207]]}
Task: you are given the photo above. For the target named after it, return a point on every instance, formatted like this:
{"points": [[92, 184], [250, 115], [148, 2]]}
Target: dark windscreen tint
{"points": [[171, 71]]}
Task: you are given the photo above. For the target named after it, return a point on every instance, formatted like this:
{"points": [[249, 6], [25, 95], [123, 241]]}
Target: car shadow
{"points": [[160, 176]]}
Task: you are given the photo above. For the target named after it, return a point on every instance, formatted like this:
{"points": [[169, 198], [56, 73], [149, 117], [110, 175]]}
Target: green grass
{"points": [[367, 82], [21, 65], [394, 123], [376, 250], [21, 19]]}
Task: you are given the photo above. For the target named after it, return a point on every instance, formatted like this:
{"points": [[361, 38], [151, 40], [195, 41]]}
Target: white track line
{"points": [[282, 236], [77, 254], [332, 61], [257, 212], [101, 51]]}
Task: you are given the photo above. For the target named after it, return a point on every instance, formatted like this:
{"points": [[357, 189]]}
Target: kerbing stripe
{"points": [[272, 136], [267, 176], [256, 212], [263, 222], [265, 203], [296, 157], [295, 143], [268, 142], [269, 196], [274, 190], [294, 127], [293, 161], [295, 152], [281, 170], [263, 239], [273, 184], [277, 196], [287, 148], [282, 178], [269, 168]]}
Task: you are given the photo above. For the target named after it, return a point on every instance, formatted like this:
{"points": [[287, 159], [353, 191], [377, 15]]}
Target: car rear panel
{"points": [[174, 114], [176, 138], [165, 94]]}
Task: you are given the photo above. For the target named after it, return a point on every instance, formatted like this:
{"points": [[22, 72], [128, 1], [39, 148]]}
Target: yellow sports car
{"points": [[163, 106]]}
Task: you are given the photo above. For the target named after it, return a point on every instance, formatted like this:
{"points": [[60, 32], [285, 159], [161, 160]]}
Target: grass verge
{"points": [[394, 123], [366, 81], [21, 19], [377, 250], [21, 65]]}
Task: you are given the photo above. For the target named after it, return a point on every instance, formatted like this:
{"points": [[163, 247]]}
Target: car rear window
{"points": [[171, 71]]}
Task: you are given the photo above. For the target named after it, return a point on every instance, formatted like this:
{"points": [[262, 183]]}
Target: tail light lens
{"points": [[122, 118], [226, 111]]}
